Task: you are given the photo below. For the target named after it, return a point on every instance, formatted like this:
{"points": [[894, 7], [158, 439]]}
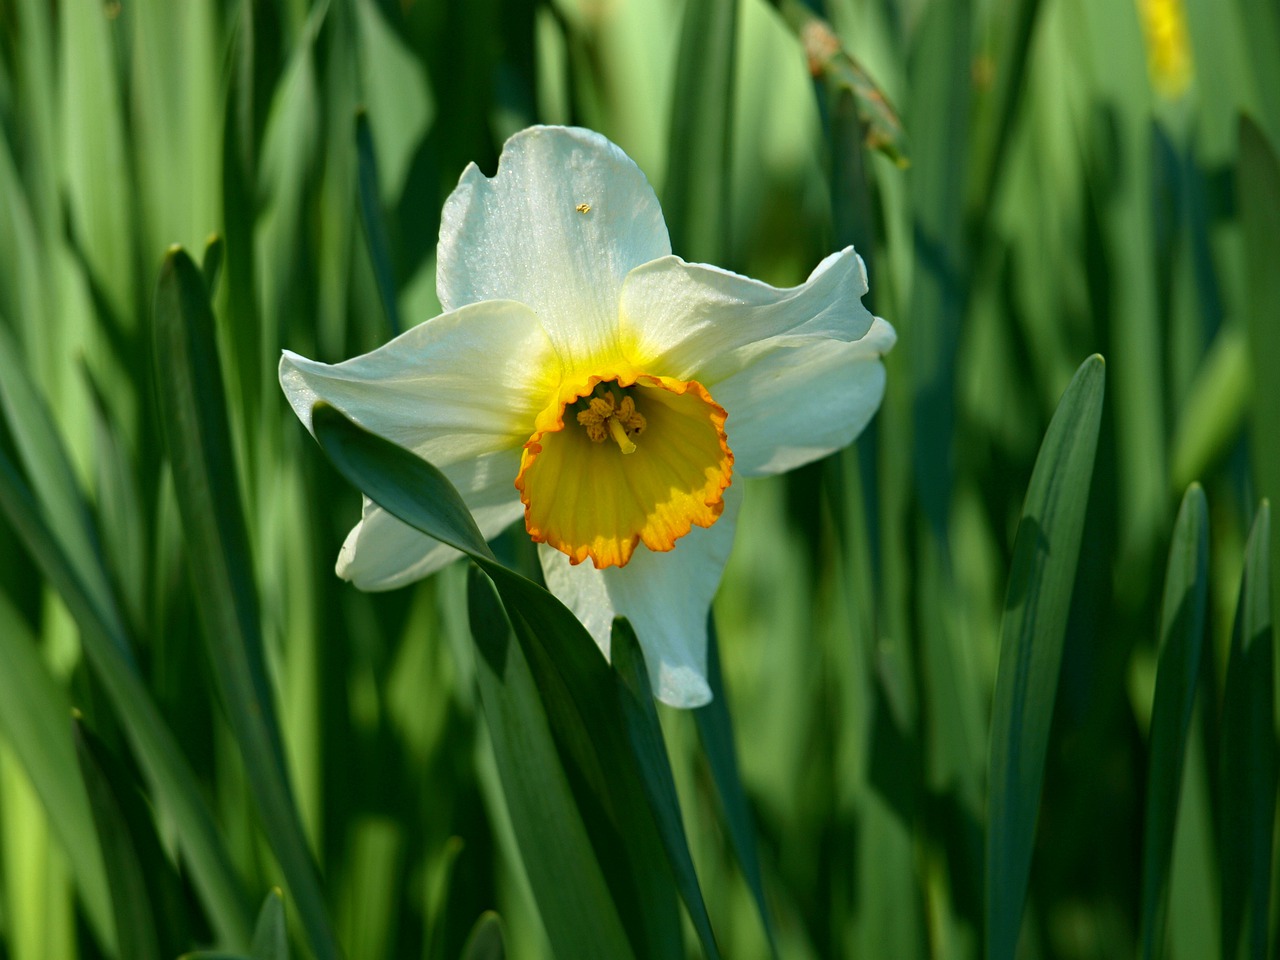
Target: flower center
{"points": [[591, 490], [604, 416]]}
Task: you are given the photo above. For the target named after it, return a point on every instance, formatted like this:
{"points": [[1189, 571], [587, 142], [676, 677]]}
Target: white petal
{"points": [[466, 383], [693, 321], [382, 553], [794, 404], [666, 596], [563, 221]]}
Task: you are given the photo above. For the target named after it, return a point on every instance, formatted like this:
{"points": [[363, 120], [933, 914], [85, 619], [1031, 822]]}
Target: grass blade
{"points": [[572, 678], [270, 935], [486, 940], [715, 729], [375, 229], [108, 651], [567, 878], [696, 198], [45, 460], [1248, 755], [1186, 596], [1035, 623], [641, 717], [136, 926], [189, 379], [34, 720], [1259, 189]]}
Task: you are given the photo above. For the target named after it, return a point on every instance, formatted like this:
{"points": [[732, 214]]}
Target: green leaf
{"points": [[696, 197], [486, 940], [1213, 412], [405, 485], [136, 926], [997, 105], [47, 465], [194, 410], [1259, 191], [1186, 594], [35, 721], [571, 677], [1035, 623], [715, 729], [211, 265], [636, 700], [1248, 756], [567, 878], [107, 648], [937, 108], [375, 230], [270, 934]]}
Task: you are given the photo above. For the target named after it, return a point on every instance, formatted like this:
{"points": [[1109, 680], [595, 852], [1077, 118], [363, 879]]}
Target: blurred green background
{"points": [[1029, 181]]}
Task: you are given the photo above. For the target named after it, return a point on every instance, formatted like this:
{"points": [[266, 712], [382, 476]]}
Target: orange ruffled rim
{"points": [[589, 500]]}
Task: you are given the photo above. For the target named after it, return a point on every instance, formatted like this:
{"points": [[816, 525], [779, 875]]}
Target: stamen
{"points": [[605, 416]]}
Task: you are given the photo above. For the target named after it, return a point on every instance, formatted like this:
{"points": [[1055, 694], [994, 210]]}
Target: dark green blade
{"points": [[375, 229], [136, 924], [1032, 634], [1182, 620], [696, 197], [198, 439], [571, 677], [486, 940], [715, 729], [636, 700], [108, 650], [34, 714], [1258, 184], [567, 878], [1248, 755], [270, 935]]}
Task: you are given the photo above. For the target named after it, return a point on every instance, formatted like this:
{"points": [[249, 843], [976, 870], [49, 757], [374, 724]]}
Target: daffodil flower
{"points": [[605, 392]]}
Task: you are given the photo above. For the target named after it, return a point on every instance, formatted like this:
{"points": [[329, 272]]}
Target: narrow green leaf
{"points": [[121, 516], [1214, 410], [572, 677], [46, 463], [136, 924], [696, 197], [270, 934], [375, 230], [1010, 34], [194, 409], [1248, 756], [1258, 186], [211, 265], [568, 882], [645, 733], [395, 481], [715, 729], [486, 940], [937, 108], [1182, 620], [1032, 634], [107, 648], [34, 715]]}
